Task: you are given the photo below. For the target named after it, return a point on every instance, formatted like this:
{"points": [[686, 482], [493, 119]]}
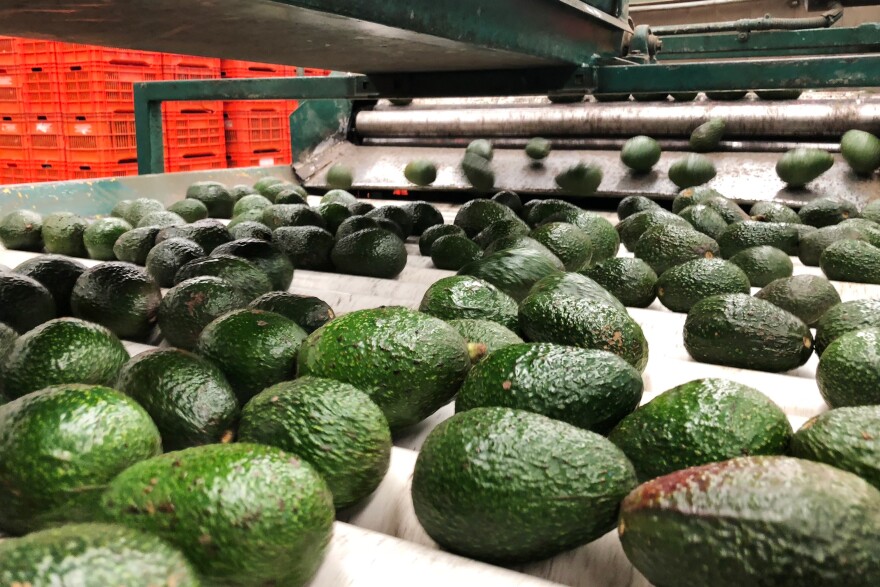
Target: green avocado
{"points": [[264, 182], [763, 264], [397, 214], [421, 172], [522, 242], [744, 235], [250, 229], [478, 214], [334, 214], [509, 199], [373, 252], [278, 215], [292, 195], [632, 204], [452, 252], [513, 271], [464, 296], [567, 242], [140, 208], [846, 317], [57, 274], [484, 337], [162, 219], [701, 422], [478, 171], [871, 211], [250, 202], [121, 208], [166, 259], [22, 230], [633, 227], [692, 170], [603, 237], [682, 286], [265, 256], [814, 244], [727, 95], [239, 191], [482, 148], [707, 137], [581, 179], [861, 150], [63, 234], [778, 94], [536, 211], [509, 486], [308, 312], [806, 296], [665, 246], [25, 303], [640, 154], [134, 246], [628, 279], [338, 197], [340, 177], [243, 275], [190, 210], [120, 296], [208, 234], [767, 211], [693, 195], [705, 219], [848, 372], [851, 260], [737, 330], [499, 229], [271, 192], [800, 166], [423, 216], [61, 446], [827, 212], [194, 303], [307, 247], [729, 210], [215, 196], [538, 148], [433, 233]]}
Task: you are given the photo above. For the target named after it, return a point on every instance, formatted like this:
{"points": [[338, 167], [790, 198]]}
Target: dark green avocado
{"points": [[190, 210], [763, 264], [848, 374], [814, 244], [373, 252], [166, 259], [806, 296], [851, 260], [134, 245], [633, 227], [431, 234], [208, 233], [665, 246], [278, 215], [250, 229], [452, 252], [22, 230], [478, 214], [827, 212], [567, 242], [744, 235], [628, 279], [307, 247], [58, 274], [769, 211], [704, 219], [395, 214], [194, 303], [63, 234], [513, 271], [265, 256], [846, 317], [484, 337], [464, 296], [510, 227], [308, 312], [249, 279], [25, 303], [632, 204], [214, 195], [682, 286]]}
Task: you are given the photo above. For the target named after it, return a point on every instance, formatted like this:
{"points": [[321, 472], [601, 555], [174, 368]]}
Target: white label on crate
{"points": [[5, 81], [267, 162], [9, 127], [83, 129], [44, 127]]}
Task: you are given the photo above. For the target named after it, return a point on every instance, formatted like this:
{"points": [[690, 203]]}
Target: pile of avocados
{"points": [[223, 455]]}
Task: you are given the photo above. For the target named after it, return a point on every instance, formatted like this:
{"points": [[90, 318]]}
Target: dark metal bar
{"points": [[746, 25]]}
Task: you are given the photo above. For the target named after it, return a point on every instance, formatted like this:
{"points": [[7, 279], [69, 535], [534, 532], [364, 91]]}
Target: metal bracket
{"points": [[642, 46]]}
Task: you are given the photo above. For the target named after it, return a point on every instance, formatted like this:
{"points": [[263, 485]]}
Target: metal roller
{"points": [[800, 118]]}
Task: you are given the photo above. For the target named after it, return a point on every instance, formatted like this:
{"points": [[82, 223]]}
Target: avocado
{"points": [[778, 94], [633, 227], [463, 296], [264, 182], [253, 348], [251, 229], [373, 252], [813, 245], [453, 252], [692, 170], [603, 236], [478, 214], [190, 210], [727, 95], [513, 271], [871, 211], [737, 330], [25, 303], [93, 555], [509, 486], [278, 215], [827, 212], [240, 273], [250, 202], [730, 210], [538, 148], [767, 211], [214, 195], [845, 438], [700, 422], [632, 204], [848, 373], [260, 516], [332, 425], [292, 195], [484, 337], [239, 191], [678, 529], [61, 446], [538, 210], [57, 274], [63, 234], [707, 137], [333, 214], [640, 153], [22, 230], [682, 286], [581, 179], [166, 259], [266, 256], [570, 244], [395, 214], [869, 229], [140, 208], [7, 338], [162, 219], [590, 389], [194, 303], [353, 224], [704, 219], [121, 208], [501, 229], [307, 247], [806, 296], [400, 101], [846, 317], [861, 150], [409, 363], [523, 242], [208, 234], [64, 350], [120, 296], [744, 235], [308, 312], [338, 196], [421, 172], [629, 280], [763, 264], [359, 207], [134, 245], [478, 172], [693, 195], [576, 311], [340, 177], [666, 246], [800, 166], [851, 260], [187, 397], [422, 215], [271, 192], [482, 148]]}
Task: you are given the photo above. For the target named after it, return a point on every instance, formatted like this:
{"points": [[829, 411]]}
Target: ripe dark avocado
{"points": [[64, 350], [353, 224], [194, 303], [187, 397], [93, 555], [340, 197], [682, 286], [215, 196], [707, 136], [166, 259], [63, 234], [665, 246], [827, 212], [395, 214], [848, 372], [766, 211], [278, 215], [800, 166], [423, 215], [763, 264], [814, 244], [861, 150], [253, 348], [464, 296], [478, 214], [743, 235], [629, 280], [22, 230], [373, 252], [409, 363], [308, 312], [134, 245], [586, 388], [632, 204], [333, 214], [162, 219], [582, 179], [339, 176], [538, 148], [120, 296], [691, 170], [509, 486], [694, 195], [704, 219], [190, 210], [250, 202], [603, 236], [332, 425], [421, 172], [777, 507], [260, 517], [57, 274], [806, 296], [513, 271], [25, 303], [251, 229], [640, 153], [700, 422], [633, 227], [845, 438], [478, 171], [452, 252], [307, 247], [484, 337], [567, 242], [851, 260], [249, 279], [846, 317], [737, 330], [208, 233], [265, 256], [61, 446]]}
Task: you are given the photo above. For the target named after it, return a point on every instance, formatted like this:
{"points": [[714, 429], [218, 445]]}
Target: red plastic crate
{"points": [[14, 141], [14, 172], [38, 53], [233, 68], [100, 138], [187, 67], [193, 132], [100, 87], [196, 162], [76, 54], [46, 137], [42, 89], [48, 171], [309, 72], [259, 126], [265, 158], [11, 94], [100, 170], [10, 51]]}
